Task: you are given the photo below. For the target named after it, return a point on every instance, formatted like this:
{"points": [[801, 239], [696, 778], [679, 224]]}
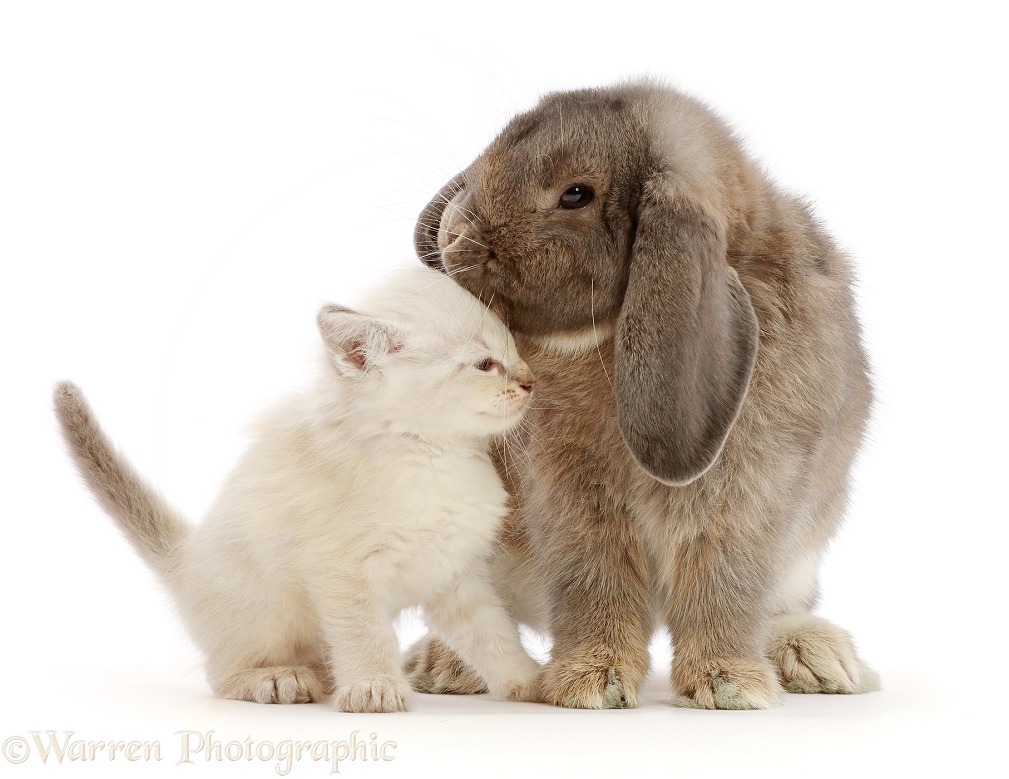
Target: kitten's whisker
{"points": [[516, 441], [595, 335], [504, 454]]}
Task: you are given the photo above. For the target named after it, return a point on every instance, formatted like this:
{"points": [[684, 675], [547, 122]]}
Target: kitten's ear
{"points": [[358, 343]]}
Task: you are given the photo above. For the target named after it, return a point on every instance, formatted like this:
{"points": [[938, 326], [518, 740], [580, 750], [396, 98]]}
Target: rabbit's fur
{"points": [[702, 394]]}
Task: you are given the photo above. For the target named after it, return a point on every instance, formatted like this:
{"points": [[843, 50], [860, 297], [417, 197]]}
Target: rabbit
{"points": [[702, 393]]}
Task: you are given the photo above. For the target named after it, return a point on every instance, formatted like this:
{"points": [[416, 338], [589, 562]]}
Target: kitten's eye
{"points": [[576, 196], [487, 365]]}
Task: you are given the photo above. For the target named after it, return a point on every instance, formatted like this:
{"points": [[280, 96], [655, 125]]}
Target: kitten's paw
{"points": [[584, 682], [432, 667], [372, 696], [274, 684], [816, 656], [726, 683]]}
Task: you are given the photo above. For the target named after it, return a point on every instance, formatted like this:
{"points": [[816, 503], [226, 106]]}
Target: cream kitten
{"points": [[369, 493]]}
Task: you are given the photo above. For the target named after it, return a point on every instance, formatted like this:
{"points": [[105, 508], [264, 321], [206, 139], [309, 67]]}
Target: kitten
{"points": [[369, 493]]}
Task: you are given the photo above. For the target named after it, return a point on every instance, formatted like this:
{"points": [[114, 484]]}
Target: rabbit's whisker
{"points": [[429, 255], [462, 269], [460, 209], [467, 238], [466, 213]]}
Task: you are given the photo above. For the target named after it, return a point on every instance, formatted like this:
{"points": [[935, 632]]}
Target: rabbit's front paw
{"points": [[725, 683], [586, 683], [378, 695], [432, 667], [816, 656]]}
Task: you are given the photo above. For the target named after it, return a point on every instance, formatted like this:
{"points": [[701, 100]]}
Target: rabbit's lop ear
{"points": [[425, 233], [686, 339]]}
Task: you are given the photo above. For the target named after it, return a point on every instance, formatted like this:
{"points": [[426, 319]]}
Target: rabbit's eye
{"points": [[577, 196]]}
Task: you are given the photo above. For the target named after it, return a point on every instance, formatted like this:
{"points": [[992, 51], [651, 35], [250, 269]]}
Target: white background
{"points": [[182, 184]]}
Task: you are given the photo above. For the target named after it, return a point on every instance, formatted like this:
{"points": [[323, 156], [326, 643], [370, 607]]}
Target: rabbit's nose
{"points": [[452, 235]]}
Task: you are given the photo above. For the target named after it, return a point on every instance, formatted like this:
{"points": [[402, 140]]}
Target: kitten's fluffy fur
{"points": [[371, 492]]}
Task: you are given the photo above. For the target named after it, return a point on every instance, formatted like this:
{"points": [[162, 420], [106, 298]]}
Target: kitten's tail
{"points": [[153, 527]]}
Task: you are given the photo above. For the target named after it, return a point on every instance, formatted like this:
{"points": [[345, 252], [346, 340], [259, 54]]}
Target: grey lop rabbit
{"points": [[702, 393]]}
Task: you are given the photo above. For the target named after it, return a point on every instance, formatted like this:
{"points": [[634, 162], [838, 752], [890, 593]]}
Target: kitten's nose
{"points": [[525, 379]]}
